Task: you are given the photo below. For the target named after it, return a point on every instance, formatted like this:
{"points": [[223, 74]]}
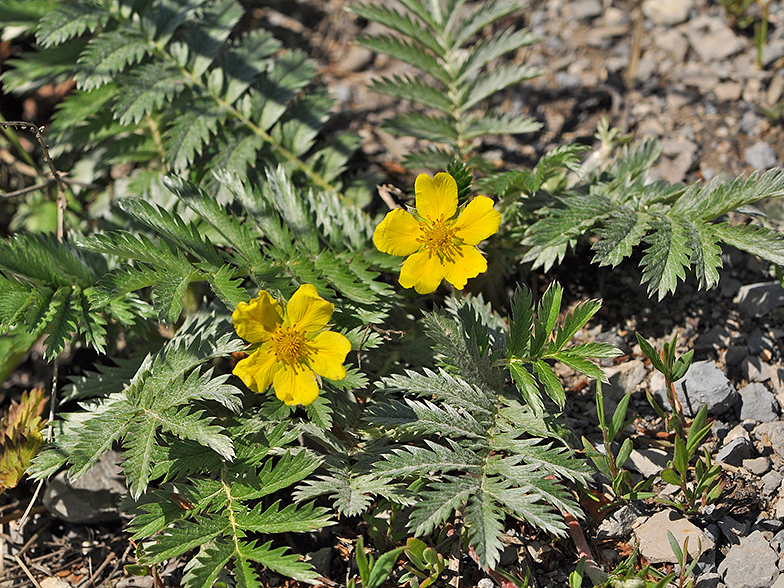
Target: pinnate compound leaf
{"points": [[494, 124], [277, 561], [203, 570], [402, 23], [184, 536], [291, 518], [485, 521], [409, 52], [666, 258], [71, 19], [484, 14], [192, 130], [486, 51], [109, 54], [423, 126], [623, 230], [761, 241], [146, 90]]}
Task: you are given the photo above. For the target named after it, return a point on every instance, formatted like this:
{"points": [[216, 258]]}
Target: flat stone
{"points": [[759, 404], [708, 580], [752, 564], [649, 462], [734, 452], [666, 12], [761, 156], [731, 529], [90, 499], [653, 542], [772, 51], [758, 466], [712, 39], [771, 482], [759, 299], [674, 42], [728, 91], [624, 378], [704, 384], [771, 434], [585, 9], [618, 524], [755, 370]]}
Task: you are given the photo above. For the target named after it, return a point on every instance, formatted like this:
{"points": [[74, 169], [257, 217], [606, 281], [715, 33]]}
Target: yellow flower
{"points": [[291, 345], [439, 242]]}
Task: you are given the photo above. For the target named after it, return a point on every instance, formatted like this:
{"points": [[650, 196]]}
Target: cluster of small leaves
{"points": [[175, 86], [534, 340], [46, 288], [287, 236], [681, 227], [480, 449], [179, 424], [455, 75]]}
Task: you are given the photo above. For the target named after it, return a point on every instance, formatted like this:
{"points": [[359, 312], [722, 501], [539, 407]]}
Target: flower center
{"points": [[438, 237], [289, 345]]}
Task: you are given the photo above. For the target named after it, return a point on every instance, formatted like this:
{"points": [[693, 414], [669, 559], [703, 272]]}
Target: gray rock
{"points": [[624, 378], [777, 542], [653, 542], [752, 564], [667, 12], [759, 466], [649, 462], [761, 156], [734, 452], [712, 39], [585, 9], [755, 370], [90, 499], [731, 529], [757, 403], [773, 525], [771, 434], [771, 482], [709, 580], [772, 51], [618, 524], [706, 384], [719, 429], [749, 123], [673, 42], [759, 299]]}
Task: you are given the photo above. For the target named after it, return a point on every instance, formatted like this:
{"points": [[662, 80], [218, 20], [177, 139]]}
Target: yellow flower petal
{"points": [[397, 234], [307, 311], [436, 197], [331, 350], [295, 385], [257, 370], [469, 263], [258, 320], [422, 272], [478, 221]]}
